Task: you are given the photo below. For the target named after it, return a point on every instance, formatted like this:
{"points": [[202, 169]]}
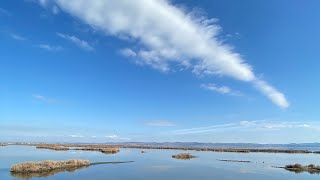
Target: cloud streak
{"points": [[5, 12], [250, 125], [220, 89], [159, 123], [50, 47], [116, 137], [165, 36], [18, 37], [78, 42], [43, 98]]}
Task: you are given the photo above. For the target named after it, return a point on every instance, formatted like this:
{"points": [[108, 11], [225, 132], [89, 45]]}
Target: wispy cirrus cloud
{"points": [[166, 35], [220, 89], [159, 123], [76, 136], [17, 37], [49, 4], [5, 12], [43, 98], [116, 137], [250, 125], [49, 47], [77, 41]]}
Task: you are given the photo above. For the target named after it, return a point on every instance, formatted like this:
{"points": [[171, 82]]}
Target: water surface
{"points": [[158, 164]]}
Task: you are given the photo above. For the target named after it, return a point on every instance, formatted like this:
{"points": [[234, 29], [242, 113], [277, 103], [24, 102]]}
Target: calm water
{"points": [[158, 164]]}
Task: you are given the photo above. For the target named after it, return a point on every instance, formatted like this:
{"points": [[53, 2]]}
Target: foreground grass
{"points": [[183, 156], [29, 175], [44, 166], [28, 170]]}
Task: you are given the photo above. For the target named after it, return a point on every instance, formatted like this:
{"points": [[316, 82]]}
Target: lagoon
{"points": [[158, 164]]}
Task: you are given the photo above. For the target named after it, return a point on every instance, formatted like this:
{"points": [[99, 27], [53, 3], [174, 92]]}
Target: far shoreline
{"points": [[69, 146]]}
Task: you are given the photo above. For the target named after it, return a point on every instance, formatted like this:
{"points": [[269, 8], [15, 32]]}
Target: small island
{"points": [[106, 150], [183, 156], [49, 165], [53, 147], [298, 168]]}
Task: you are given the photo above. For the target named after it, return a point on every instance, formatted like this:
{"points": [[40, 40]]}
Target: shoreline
{"points": [[100, 146]]}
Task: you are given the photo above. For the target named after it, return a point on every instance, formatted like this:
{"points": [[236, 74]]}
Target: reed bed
{"points": [[183, 156], [49, 165]]}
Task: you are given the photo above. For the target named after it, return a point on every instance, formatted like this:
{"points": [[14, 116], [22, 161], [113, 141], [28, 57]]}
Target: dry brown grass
{"points": [[107, 150], [110, 150], [29, 175], [44, 166], [183, 156], [53, 147], [298, 168]]}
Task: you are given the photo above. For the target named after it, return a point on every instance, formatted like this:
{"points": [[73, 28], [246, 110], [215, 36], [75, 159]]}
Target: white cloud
{"points": [[49, 4], [279, 125], [128, 52], [274, 95], [50, 47], [5, 12], [203, 129], [76, 136], [18, 37], [159, 123], [44, 3], [167, 35], [116, 137], [43, 98], [220, 89], [55, 10], [80, 43], [250, 125]]}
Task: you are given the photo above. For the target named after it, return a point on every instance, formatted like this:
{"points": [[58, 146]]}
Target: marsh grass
{"points": [[49, 165], [298, 168], [29, 175], [106, 150], [29, 170], [53, 147], [183, 156]]}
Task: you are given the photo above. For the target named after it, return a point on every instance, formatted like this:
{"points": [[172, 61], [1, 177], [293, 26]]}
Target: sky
{"points": [[159, 71]]}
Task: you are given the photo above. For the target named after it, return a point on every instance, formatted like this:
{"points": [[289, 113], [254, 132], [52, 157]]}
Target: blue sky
{"points": [[180, 70]]}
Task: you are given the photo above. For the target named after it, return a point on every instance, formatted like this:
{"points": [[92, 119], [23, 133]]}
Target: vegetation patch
{"points": [[29, 175], [183, 156], [298, 168], [28, 170], [53, 147], [106, 150], [44, 166]]}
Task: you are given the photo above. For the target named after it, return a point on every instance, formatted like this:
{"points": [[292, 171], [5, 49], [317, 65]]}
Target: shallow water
{"points": [[158, 164]]}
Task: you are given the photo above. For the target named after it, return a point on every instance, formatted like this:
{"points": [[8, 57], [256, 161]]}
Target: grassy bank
{"points": [[183, 156], [298, 168], [53, 147], [44, 166], [101, 147]]}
